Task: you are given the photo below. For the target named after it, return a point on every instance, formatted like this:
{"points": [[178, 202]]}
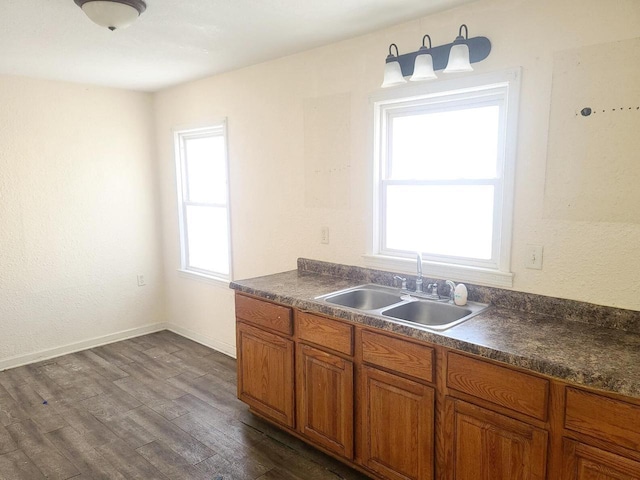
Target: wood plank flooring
{"points": [[157, 406]]}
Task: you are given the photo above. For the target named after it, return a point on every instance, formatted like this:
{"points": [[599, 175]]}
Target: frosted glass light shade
{"points": [[459, 59], [112, 14], [423, 68], [393, 75]]}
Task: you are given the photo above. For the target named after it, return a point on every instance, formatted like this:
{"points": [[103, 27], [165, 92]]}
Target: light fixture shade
{"points": [[112, 14], [423, 68], [393, 74], [459, 59]]}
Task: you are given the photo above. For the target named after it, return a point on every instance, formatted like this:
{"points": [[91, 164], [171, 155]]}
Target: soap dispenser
{"points": [[460, 294]]}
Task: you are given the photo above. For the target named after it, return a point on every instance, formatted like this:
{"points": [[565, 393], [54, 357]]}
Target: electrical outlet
{"points": [[534, 257], [141, 282], [324, 235]]}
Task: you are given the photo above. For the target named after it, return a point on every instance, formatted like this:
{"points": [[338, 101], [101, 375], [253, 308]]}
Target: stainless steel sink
{"points": [[434, 315], [402, 306], [364, 298]]}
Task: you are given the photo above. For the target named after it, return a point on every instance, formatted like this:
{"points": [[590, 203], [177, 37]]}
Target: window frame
{"points": [[469, 90], [180, 136]]}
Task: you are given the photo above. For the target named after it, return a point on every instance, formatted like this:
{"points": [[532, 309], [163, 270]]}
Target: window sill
{"points": [[200, 277], [458, 273]]}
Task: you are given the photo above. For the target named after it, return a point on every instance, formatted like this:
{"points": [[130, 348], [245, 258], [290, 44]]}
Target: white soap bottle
{"points": [[460, 294]]}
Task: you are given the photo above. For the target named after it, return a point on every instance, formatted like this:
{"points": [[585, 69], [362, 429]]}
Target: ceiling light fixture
{"points": [[112, 14], [422, 64]]}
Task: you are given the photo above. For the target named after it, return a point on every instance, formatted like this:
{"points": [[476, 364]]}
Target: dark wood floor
{"points": [[152, 407]]}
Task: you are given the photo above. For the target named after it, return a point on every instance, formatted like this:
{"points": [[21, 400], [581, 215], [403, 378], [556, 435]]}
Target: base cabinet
{"points": [[368, 397], [265, 373], [584, 462], [325, 399], [397, 426], [489, 446]]}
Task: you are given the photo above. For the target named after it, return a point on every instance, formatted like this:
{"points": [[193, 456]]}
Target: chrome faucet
{"points": [[452, 291], [419, 278]]}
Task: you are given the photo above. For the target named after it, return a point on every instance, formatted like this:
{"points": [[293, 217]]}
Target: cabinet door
{"points": [[397, 418], [489, 446], [325, 399], [265, 373], [583, 462]]}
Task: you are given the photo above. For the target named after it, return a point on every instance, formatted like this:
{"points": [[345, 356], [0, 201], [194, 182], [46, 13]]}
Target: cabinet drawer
{"points": [[499, 385], [398, 355], [264, 314], [604, 418], [324, 332]]}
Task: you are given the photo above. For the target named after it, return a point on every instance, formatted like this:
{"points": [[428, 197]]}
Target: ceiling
{"points": [[175, 41]]}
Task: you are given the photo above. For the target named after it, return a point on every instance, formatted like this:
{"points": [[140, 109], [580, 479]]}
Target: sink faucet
{"points": [[419, 278]]}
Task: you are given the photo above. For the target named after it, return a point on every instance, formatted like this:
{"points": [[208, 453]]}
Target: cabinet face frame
{"points": [[276, 364], [528, 441], [325, 399], [376, 387]]}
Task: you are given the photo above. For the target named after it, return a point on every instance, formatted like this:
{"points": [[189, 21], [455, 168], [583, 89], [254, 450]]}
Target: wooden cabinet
{"points": [[325, 399], [488, 446], [422, 411], [610, 423], [265, 373], [584, 462], [397, 419], [484, 441]]}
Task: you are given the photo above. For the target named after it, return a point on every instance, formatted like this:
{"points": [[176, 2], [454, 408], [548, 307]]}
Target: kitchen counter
{"points": [[576, 351]]}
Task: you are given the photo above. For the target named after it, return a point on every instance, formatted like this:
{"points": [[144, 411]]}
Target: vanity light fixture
{"points": [[112, 14], [459, 54], [392, 71], [421, 65]]}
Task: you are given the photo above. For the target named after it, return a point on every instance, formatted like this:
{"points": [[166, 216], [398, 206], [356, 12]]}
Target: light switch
{"points": [[534, 257]]}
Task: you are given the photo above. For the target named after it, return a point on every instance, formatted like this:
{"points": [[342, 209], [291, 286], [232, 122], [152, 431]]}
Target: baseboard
{"points": [[20, 360], [222, 347]]}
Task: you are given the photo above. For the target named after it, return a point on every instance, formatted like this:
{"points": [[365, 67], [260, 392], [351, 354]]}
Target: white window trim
{"points": [[502, 276], [218, 126]]}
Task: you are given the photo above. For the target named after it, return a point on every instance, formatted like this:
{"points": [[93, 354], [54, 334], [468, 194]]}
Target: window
{"points": [[203, 201], [444, 176]]}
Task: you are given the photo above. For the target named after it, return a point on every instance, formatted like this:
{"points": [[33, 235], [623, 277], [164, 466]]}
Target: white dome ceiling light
{"points": [[112, 14]]}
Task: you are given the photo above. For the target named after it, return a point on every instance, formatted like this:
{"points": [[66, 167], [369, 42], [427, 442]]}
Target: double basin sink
{"points": [[403, 306]]}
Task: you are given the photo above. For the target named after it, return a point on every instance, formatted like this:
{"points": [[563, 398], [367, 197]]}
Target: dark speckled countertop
{"points": [[586, 351]]}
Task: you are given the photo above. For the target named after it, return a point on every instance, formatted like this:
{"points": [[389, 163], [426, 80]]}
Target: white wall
{"points": [[78, 217], [275, 219]]}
